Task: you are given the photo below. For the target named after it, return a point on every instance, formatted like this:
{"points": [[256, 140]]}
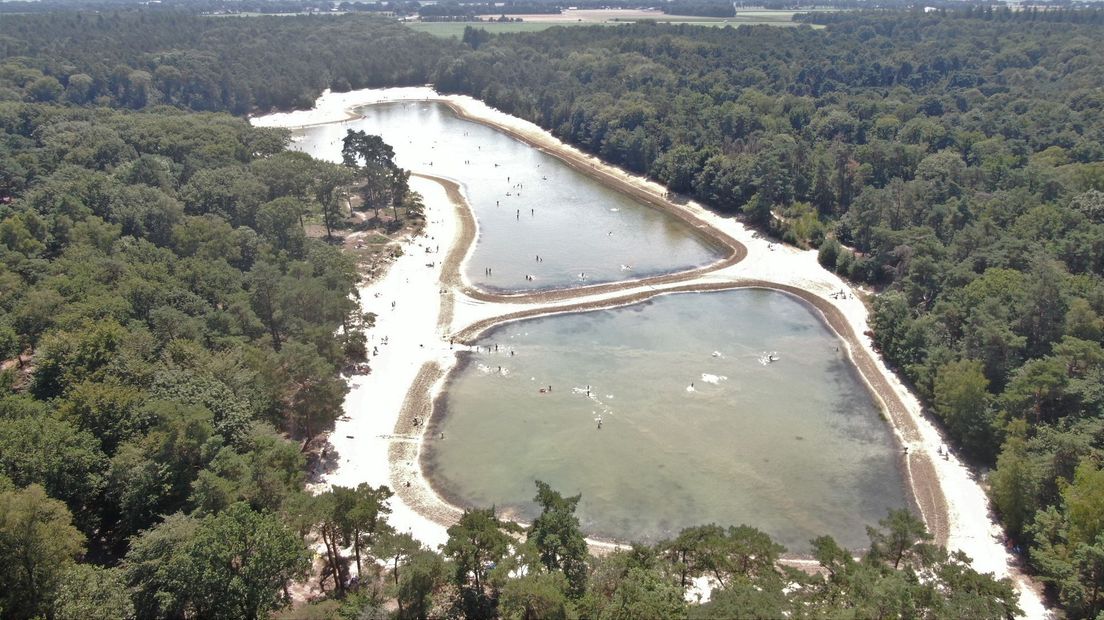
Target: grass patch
{"points": [[456, 29]]}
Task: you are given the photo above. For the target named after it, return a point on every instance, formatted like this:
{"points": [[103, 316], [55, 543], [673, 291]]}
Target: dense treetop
{"points": [[141, 58]]}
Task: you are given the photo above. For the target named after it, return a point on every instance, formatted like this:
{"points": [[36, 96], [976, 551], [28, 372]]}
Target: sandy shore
{"points": [[378, 441]]}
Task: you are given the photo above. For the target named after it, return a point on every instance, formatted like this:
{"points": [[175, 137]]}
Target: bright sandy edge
{"points": [[366, 435]]}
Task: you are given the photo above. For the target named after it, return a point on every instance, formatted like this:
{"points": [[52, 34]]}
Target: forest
{"points": [[140, 59], [173, 338]]}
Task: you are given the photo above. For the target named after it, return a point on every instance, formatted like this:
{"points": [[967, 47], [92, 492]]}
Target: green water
{"points": [[527, 203], [795, 447]]}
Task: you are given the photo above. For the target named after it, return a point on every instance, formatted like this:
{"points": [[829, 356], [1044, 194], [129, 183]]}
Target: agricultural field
{"points": [[590, 17], [456, 29]]}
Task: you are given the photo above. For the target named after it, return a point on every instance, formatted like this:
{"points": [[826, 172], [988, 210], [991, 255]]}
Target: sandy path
{"points": [[377, 441]]}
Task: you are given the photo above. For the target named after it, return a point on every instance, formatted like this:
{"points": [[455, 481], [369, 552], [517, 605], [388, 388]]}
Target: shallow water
{"points": [[795, 447], [527, 203]]}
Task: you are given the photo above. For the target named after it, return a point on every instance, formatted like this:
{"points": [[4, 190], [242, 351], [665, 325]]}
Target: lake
{"points": [[527, 203], [698, 425]]}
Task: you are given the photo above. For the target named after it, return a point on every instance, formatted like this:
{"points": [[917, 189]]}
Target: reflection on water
{"points": [[528, 204], [697, 424]]}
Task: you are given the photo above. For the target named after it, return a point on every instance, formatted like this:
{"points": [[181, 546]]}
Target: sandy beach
{"points": [[426, 310]]}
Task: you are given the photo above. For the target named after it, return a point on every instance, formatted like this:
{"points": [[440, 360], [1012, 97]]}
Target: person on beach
{"points": [[599, 422]]}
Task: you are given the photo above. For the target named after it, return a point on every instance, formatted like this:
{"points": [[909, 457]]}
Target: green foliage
{"points": [[903, 575], [130, 59], [154, 567], [901, 539], [628, 584], [422, 577], [38, 544], [235, 564], [72, 358], [476, 543], [36, 448], [744, 599], [541, 595], [1012, 486], [383, 183], [1070, 544], [360, 517], [239, 562], [962, 402], [134, 249], [557, 537], [93, 593]]}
